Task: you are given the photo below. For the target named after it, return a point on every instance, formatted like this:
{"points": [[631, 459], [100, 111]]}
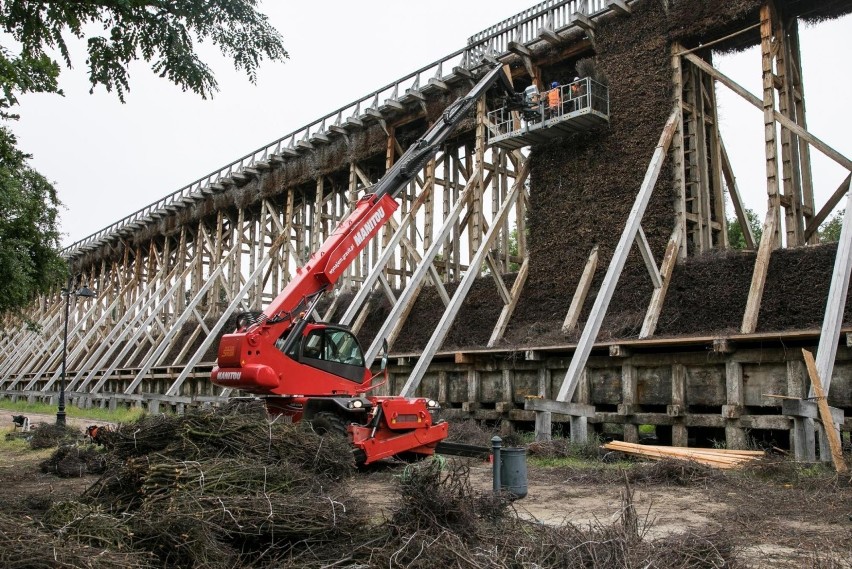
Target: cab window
{"points": [[338, 346]]}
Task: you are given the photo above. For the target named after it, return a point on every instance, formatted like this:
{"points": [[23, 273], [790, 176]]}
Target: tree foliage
{"points": [[160, 32], [829, 232], [736, 239], [29, 237], [163, 33]]}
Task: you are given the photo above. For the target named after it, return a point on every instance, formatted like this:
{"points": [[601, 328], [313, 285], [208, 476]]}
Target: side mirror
{"points": [[384, 354]]}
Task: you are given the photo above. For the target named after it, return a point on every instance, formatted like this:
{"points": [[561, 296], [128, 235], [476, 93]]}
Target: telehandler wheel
{"points": [[325, 423], [329, 424]]}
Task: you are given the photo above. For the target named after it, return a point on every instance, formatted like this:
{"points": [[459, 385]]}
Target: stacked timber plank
{"points": [[718, 458]]}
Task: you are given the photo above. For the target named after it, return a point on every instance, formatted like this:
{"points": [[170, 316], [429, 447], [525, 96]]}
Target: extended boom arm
{"points": [[372, 211]]}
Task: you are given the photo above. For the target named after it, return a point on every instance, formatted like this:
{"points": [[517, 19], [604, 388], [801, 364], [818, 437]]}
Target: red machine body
{"points": [[316, 371]]}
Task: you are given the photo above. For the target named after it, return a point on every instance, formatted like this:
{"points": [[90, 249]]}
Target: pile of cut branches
{"points": [[236, 488], [48, 435], [71, 461], [213, 488]]}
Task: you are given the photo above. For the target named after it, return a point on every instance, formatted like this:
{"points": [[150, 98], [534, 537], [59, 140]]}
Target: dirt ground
{"points": [[777, 513], [778, 521]]}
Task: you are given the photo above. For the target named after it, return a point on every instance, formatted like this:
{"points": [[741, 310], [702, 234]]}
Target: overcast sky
{"points": [[109, 159]]}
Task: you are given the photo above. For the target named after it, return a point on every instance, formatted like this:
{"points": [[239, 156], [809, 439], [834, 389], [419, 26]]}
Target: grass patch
{"points": [[120, 415], [12, 444], [578, 463]]}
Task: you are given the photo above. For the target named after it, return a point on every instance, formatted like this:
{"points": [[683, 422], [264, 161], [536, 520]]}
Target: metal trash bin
{"points": [[513, 471]]}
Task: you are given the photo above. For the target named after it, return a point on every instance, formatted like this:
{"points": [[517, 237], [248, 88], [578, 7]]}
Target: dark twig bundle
{"points": [[71, 461], [25, 545], [48, 435]]}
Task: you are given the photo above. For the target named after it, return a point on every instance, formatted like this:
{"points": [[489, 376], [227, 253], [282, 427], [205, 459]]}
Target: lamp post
{"points": [[84, 292]]}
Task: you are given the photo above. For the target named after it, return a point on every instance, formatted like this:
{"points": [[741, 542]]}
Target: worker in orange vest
{"points": [[554, 101]]}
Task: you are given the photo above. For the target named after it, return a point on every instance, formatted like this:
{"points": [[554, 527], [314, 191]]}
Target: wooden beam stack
{"points": [[717, 458]]}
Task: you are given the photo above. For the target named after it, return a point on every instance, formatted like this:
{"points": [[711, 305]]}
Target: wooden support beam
{"points": [[816, 221], [761, 267], [174, 389], [804, 152], [658, 298], [805, 409], [386, 288], [549, 36], [678, 150], [619, 6], [767, 39], [389, 250], [734, 192], [519, 49], [409, 293], [581, 292], [494, 269], [828, 422], [561, 407], [786, 122], [619, 258], [584, 22], [509, 308], [648, 257], [467, 281]]}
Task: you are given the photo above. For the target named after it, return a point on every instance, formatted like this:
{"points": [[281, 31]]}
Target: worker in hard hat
{"points": [[578, 89], [553, 100]]}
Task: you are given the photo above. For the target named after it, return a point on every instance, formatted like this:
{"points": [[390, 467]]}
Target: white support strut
{"points": [[619, 258], [833, 319]]}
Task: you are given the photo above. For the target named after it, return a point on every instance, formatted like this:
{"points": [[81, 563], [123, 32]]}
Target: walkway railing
{"points": [[524, 28]]}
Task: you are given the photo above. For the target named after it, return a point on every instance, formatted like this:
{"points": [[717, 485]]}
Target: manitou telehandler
{"points": [[313, 371]]}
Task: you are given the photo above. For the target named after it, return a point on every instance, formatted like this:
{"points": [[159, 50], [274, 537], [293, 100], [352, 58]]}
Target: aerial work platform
{"points": [[582, 106]]}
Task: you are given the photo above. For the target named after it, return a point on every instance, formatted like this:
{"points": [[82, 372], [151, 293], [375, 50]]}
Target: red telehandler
{"points": [[314, 371]]}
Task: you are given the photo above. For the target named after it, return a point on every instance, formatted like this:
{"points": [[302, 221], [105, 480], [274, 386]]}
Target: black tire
{"points": [[325, 423]]}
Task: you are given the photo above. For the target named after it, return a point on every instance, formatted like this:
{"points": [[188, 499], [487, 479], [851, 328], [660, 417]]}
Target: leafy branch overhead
{"points": [[164, 33]]}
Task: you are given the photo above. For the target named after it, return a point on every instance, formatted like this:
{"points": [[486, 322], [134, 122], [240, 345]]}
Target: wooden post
{"points": [[735, 437], [628, 400], [804, 151], [774, 205], [679, 431], [677, 149], [658, 297], [543, 419], [580, 423], [476, 261], [581, 292], [509, 308], [831, 430], [475, 220], [761, 267]]}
